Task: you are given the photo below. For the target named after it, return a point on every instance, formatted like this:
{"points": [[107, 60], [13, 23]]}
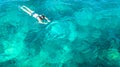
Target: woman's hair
{"points": [[42, 17]]}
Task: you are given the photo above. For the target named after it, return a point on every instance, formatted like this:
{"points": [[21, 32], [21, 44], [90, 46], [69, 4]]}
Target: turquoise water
{"points": [[82, 33]]}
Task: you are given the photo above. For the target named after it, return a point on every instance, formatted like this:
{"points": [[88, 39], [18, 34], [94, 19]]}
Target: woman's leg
{"points": [[27, 10]]}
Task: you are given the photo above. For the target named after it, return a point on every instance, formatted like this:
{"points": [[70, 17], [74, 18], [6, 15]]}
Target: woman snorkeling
{"points": [[40, 18]]}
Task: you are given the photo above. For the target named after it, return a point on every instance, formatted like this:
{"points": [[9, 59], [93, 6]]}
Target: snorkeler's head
{"points": [[41, 17]]}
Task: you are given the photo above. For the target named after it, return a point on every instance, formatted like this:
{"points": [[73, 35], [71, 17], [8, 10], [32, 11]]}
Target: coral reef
{"points": [[82, 33]]}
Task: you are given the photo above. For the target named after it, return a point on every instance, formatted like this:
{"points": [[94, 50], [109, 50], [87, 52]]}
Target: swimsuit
{"points": [[35, 15]]}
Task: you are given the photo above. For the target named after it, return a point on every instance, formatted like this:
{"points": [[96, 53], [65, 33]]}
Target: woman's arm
{"points": [[47, 19]]}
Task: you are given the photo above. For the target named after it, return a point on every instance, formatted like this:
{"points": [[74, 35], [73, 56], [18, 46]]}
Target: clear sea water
{"points": [[82, 33]]}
